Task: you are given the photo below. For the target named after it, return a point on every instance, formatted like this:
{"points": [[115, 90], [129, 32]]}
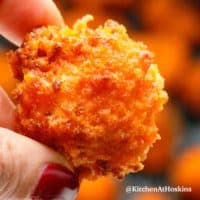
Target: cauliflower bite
{"points": [[90, 94]]}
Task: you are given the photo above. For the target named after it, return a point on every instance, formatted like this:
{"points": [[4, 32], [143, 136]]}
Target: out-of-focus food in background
{"points": [[185, 171], [104, 188], [170, 17], [6, 77], [152, 196], [161, 155], [190, 88], [171, 28]]}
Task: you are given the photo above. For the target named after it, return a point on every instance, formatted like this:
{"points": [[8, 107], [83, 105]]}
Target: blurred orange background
{"points": [[171, 29]]}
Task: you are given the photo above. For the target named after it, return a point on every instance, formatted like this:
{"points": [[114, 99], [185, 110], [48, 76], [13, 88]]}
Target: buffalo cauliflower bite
{"points": [[90, 94]]}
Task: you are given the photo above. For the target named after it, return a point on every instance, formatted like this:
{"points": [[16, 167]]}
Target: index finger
{"points": [[19, 17]]}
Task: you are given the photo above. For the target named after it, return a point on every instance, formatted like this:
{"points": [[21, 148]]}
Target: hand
{"points": [[28, 169], [18, 17]]}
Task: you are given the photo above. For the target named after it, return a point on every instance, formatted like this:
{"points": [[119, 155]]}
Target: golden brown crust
{"points": [[91, 94]]}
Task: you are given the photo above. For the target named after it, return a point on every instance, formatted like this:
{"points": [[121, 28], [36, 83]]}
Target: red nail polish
{"points": [[56, 182]]}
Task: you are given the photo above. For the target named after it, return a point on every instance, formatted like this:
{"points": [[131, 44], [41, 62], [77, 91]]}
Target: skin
{"points": [[17, 18], [19, 172]]}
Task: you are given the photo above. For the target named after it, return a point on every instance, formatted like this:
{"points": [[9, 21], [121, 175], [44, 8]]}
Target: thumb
{"points": [[30, 170], [19, 17]]}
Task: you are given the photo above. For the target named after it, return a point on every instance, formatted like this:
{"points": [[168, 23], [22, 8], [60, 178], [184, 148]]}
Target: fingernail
{"points": [[56, 182]]}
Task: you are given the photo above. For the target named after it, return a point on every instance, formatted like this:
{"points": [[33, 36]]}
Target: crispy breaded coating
{"points": [[90, 94]]}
